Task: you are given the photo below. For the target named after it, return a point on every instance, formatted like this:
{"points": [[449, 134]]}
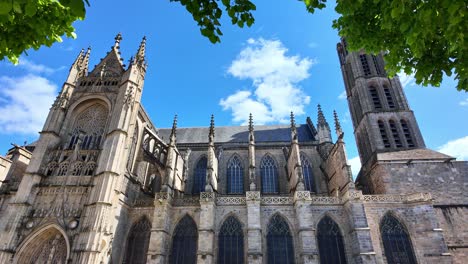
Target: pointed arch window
{"points": [[231, 242], [235, 176], [375, 98], [138, 242], [184, 242], [308, 175], [395, 134], [365, 64], [407, 133], [89, 127], [389, 97], [330, 242], [269, 175], [396, 241], [199, 179], [377, 65], [383, 134], [279, 242]]}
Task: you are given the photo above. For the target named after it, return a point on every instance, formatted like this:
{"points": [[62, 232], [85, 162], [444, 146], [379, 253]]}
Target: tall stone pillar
{"points": [[362, 249], [205, 254], [159, 246], [307, 244], [254, 229]]}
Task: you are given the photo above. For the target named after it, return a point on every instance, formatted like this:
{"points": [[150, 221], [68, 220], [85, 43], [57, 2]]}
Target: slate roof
{"points": [[238, 134]]}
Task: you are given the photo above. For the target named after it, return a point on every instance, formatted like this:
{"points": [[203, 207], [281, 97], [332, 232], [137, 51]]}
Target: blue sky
{"points": [[285, 61]]}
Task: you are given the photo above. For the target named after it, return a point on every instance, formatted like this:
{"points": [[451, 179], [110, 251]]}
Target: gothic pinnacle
{"points": [[140, 55], [321, 118], [293, 121], [212, 125], [85, 63], [173, 130], [78, 59], [251, 128], [338, 129], [117, 38]]}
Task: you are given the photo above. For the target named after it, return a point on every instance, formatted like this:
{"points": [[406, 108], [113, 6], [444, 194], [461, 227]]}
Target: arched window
{"points": [[395, 134], [235, 176], [231, 242], [365, 64], [89, 127], [407, 133], [47, 246], [199, 179], [307, 172], [383, 134], [269, 174], [375, 98], [184, 242], [397, 245], [330, 242], [389, 97], [279, 242], [138, 242], [377, 65]]}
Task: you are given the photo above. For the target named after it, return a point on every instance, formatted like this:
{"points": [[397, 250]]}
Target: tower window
{"points": [[365, 64], [383, 134], [375, 97], [407, 133], [377, 65], [235, 176], [199, 179], [389, 97], [395, 134]]}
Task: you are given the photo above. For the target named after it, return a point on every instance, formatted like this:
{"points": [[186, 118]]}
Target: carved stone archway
{"points": [[48, 245]]}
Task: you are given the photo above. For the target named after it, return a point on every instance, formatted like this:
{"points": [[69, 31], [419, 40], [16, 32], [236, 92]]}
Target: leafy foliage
{"points": [[427, 38], [26, 24], [423, 37]]}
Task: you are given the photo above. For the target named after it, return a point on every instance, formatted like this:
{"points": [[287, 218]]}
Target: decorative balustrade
{"points": [[230, 200], [186, 201]]}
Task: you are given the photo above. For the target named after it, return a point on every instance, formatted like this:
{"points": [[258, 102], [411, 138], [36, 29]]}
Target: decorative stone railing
{"points": [[186, 201], [276, 200], [397, 198], [230, 200]]}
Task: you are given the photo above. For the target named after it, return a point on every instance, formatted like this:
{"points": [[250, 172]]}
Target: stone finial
{"points": [[338, 129], [323, 129], [321, 121], [212, 132], [140, 55], [85, 63], [293, 128], [251, 127], [117, 38], [173, 130]]}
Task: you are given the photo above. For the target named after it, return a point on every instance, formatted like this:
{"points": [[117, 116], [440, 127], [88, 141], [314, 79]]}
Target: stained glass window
{"points": [[184, 242], [279, 242], [397, 245], [231, 242], [138, 242], [307, 172], [330, 242], [269, 174], [199, 179], [235, 176]]}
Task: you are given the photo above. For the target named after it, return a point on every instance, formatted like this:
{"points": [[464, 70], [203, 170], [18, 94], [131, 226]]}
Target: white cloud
{"points": [[406, 80], [274, 76], [33, 67], [464, 102], [342, 95], [457, 148], [26, 103], [355, 165]]}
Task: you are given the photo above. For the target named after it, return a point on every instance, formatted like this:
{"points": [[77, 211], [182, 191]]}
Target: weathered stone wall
{"points": [[454, 224]]}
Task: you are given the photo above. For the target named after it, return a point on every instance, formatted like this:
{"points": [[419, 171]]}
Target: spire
{"points": [[85, 62], [293, 128], [251, 127], [323, 129], [117, 38], [212, 132], [78, 59], [140, 55], [321, 118], [173, 131], [338, 129]]}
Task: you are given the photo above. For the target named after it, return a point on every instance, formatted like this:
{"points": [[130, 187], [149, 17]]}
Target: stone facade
{"points": [[104, 185]]}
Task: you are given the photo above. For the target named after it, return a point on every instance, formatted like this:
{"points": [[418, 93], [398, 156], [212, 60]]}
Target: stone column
{"points": [[362, 249], [254, 229], [307, 244], [159, 246], [205, 254]]}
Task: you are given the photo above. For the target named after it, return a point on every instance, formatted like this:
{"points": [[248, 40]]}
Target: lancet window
{"points": [[269, 175], [383, 134], [138, 242], [235, 176], [199, 179], [330, 242], [184, 242], [365, 64], [231, 242], [407, 133], [396, 241], [308, 175], [395, 134], [389, 97], [375, 98], [279, 242]]}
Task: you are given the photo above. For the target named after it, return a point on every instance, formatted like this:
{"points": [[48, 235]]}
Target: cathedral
{"points": [[104, 184]]}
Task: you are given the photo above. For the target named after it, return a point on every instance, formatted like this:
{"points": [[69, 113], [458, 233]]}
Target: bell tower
{"points": [[382, 118]]}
